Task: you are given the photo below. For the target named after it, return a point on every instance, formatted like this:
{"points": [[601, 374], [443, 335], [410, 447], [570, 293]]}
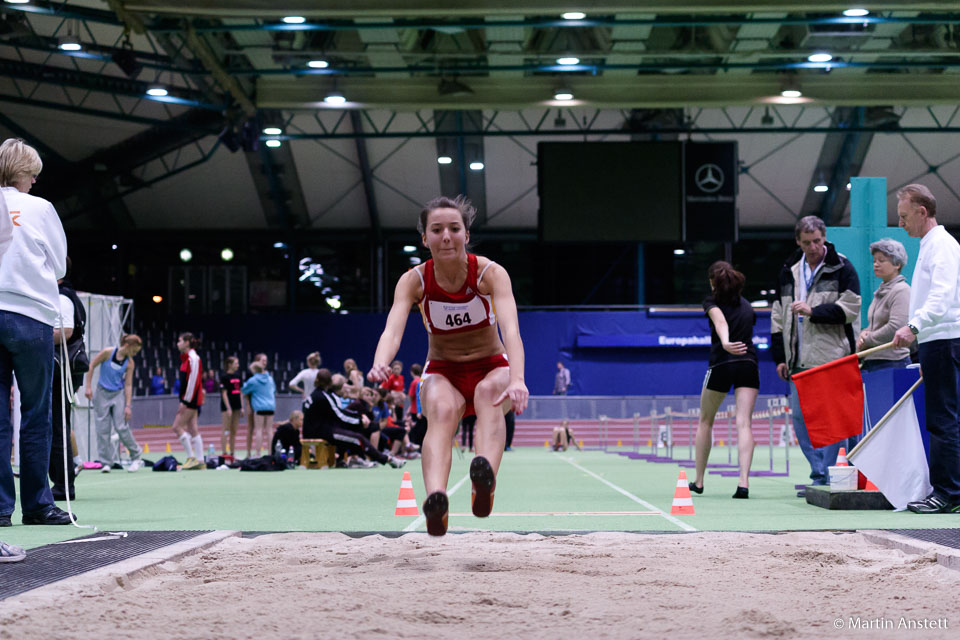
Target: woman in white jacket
{"points": [[29, 311]]}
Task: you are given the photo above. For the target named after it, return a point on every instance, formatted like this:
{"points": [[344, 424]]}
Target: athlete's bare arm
{"points": [[498, 280], [406, 294], [97, 361]]}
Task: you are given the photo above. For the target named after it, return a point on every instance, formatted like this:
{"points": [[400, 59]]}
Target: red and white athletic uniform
{"points": [[191, 390], [446, 313]]}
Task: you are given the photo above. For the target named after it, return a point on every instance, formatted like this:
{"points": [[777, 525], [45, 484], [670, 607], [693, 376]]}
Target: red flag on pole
{"points": [[831, 398]]}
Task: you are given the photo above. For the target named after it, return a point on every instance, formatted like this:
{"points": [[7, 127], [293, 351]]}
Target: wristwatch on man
{"points": [[913, 328]]}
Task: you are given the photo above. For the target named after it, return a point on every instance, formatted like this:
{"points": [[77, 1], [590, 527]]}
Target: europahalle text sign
{"points": [[654, 341]]}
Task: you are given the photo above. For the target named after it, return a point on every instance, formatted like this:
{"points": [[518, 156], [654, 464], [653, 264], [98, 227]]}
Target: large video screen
{"points": [[610, 191]]}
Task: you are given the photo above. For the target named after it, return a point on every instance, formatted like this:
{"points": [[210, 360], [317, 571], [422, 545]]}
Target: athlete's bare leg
{"points": [[443, 405], [491, 430]]}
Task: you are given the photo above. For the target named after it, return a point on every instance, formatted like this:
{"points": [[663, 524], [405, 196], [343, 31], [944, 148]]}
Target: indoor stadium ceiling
{"points": [[365, 96]]}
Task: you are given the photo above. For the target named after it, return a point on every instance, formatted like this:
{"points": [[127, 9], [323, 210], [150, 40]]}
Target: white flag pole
{"points": [[886, 417]]}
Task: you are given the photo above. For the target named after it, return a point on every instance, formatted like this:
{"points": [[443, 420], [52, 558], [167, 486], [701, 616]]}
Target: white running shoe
{"points": [[105, 469], [136, 465], [11, 552]]}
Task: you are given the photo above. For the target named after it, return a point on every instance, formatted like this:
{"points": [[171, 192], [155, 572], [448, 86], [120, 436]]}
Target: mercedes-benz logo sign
{"points": [[709, 178]]}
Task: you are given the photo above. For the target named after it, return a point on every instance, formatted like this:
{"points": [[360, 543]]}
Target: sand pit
{"points": [[490, 585]]}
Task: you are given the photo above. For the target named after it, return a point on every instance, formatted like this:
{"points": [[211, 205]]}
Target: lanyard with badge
{"points": [[807, 284]]}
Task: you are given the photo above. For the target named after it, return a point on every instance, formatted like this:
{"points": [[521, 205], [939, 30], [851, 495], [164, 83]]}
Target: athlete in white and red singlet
{"points": [[464, 300]]}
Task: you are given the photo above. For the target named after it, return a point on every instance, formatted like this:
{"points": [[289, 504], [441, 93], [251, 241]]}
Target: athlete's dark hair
{"points": [[467, 211], [324, 379], [192, 339], [727, 282]]}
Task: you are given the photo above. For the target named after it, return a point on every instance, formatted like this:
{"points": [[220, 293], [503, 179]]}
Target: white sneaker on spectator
{"points": [[136, 465], [11, 552]]}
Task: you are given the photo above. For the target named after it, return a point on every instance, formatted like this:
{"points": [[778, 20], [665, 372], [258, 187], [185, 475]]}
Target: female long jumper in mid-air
{"points": [[469, 370]]}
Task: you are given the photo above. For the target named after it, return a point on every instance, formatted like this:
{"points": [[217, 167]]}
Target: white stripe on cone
{"points": [[403, 504], [682, 484], [406, 484], [682, 502]]}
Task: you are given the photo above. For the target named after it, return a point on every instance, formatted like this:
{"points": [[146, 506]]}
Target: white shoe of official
{"points": [[136, 465]]}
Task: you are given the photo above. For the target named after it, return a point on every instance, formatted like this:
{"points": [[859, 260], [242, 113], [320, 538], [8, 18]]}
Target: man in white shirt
{"points": [[935, 325], [29, 307], [6, 228]]}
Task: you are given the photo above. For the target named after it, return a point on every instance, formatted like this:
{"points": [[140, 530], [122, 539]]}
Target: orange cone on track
{"points": [[406, 502], [842, 458], [682, 502]]}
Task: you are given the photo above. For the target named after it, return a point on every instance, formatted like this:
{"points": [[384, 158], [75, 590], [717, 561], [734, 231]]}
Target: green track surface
{"points": [[530, 480]]}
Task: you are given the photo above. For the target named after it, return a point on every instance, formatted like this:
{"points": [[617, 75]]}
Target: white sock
{"points": [[185, 441], [198, 446]]}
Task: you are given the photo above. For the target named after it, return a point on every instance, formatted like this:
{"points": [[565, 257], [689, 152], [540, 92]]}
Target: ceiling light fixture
{"points": [[157, 91], [444, 160], [476, 166], [679, 252], [563, 93], [186, 255], [791, 93], [856, 13], [227, 254], [568, 61], [573, 15], [273, 143], [335, 98], [294, 19], [272, 131], [318, 64], [70, 43], [820, 56]]}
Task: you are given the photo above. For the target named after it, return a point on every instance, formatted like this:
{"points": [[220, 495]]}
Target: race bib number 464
{"points": [[449, 315]]}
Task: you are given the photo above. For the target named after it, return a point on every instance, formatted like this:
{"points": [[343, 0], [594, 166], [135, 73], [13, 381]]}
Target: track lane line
{"points": [[668, 517]]}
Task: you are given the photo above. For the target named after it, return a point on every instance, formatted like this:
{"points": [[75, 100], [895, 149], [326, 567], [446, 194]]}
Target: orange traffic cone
{"points": [[168, 447], [842, 458], [870, 486], [406, 502], [146, 447], [682, 502]]}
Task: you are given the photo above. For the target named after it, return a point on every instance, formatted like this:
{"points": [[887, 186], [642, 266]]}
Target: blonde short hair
{"points": [[17, 161]]}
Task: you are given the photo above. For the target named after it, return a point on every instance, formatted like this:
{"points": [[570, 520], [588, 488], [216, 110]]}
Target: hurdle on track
{"points": [[659, 435]]}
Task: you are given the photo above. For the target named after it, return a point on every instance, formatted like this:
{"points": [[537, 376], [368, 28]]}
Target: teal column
{"points": [[868, 223]]}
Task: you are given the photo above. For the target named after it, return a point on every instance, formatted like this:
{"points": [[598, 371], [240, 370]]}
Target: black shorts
{"points": [[740, 373], [265, 413], [190, 405]]}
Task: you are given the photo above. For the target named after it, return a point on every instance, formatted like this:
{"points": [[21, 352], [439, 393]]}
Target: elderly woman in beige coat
{"points": [[890, 307]]}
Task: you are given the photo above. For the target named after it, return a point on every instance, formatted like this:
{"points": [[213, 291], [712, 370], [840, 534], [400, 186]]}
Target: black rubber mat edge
{"points": [[54, 562], [945, 537]]}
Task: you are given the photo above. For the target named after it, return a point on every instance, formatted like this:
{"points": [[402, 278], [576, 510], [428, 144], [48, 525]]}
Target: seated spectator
{"points": [[287, 434], [158, 383], [324, 417], [353, 375], [210, 381], [563, 436], [394, 381]]}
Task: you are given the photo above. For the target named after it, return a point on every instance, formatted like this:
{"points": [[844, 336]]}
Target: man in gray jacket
{"points": [[814, 320]]}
